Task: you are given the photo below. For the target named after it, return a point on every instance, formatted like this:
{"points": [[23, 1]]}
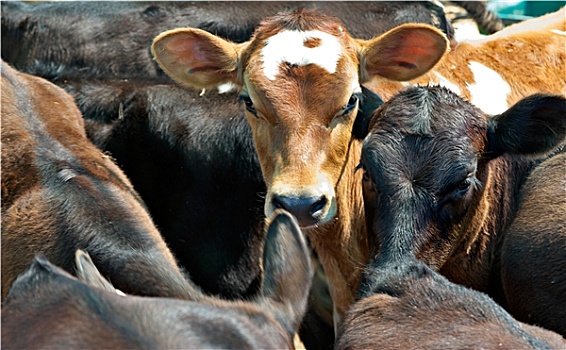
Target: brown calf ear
{"points": [[196, 58], [403, 53], [288, 270]]}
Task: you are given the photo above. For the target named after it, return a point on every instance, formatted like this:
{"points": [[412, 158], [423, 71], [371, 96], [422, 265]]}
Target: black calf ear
{"points": [[368, 105], [534, 126], [288, 270], [89, 274]]}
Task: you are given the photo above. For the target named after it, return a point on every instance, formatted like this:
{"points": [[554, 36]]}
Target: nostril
{"points": [[307, 210], [318, 206]]}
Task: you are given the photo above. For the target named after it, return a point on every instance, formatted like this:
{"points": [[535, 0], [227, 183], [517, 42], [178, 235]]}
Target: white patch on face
{"points": [[442, 81], [490, 91], [288, 46]]}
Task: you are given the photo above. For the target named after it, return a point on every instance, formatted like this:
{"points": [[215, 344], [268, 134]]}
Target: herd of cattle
{"points": [[228, 175]]}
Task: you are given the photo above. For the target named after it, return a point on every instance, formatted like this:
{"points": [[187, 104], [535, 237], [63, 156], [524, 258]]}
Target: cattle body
{"points": [[110, 39], [301, 103], [447, 185], [60, 193], [493, 72], [407, 305], [48, 308]]}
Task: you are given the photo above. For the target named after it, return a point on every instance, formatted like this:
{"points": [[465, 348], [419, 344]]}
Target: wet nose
{"points": [[307, 210]]}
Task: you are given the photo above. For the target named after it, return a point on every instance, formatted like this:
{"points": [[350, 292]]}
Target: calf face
{"points": [[60, 193], [48, 308], [431, 157], [407, 305], [301, 103]]}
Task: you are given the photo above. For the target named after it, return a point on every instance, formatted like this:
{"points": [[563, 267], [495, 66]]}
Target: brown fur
{"points": [[60, 193], [410, 306], [48, 308]]}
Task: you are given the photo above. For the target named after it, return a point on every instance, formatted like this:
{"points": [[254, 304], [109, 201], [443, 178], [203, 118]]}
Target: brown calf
{"points": [[48, 308], [60, 193], [301, 88], [469, 196], [407, 305]]}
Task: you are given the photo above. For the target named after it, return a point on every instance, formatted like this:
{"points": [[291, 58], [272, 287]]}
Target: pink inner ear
{"points": [[407, 53], [418, 48], [188, 51]]}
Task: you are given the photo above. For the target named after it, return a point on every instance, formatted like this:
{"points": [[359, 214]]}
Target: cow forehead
{"points": [[300, 48]]}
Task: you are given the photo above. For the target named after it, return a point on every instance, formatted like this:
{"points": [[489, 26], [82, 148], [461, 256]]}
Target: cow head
{"points": [[300, 79], [427, 162]]}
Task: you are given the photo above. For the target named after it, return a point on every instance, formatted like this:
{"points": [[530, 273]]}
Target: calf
{"points": [[298, 78], [407, 305], [445, 184], [48, 308], [60, 193]]}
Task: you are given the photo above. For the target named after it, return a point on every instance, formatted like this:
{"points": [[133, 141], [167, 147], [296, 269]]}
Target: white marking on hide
{"points": [[226, 87], [119, 292], [288, 46], [442, 81], [490, 90], [559, 32]]}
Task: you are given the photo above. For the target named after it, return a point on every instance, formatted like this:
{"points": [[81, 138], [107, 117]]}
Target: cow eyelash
{"points": [[249, 104], [352, 102]]}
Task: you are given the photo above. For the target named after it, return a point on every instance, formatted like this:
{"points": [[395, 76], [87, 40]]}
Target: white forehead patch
{"points": [[288, 46], [490, 90]]}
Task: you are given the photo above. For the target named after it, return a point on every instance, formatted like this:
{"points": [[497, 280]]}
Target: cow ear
{"points": [[196, 58], [403, 53], [534, 126], [288, 270], [89, 274]]}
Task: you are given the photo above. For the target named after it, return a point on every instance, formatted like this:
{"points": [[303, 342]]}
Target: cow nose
{"points": [[307, 210]]}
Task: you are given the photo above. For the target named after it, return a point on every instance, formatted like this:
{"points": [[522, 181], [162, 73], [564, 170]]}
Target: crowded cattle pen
{"points": [[281, 175]]}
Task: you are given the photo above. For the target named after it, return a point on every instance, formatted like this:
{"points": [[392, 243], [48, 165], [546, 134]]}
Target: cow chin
{"points": [[309, 209]]}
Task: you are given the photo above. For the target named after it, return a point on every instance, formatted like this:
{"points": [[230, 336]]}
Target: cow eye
{"points": [[352, 102], [464, 186], [249, 104]]}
